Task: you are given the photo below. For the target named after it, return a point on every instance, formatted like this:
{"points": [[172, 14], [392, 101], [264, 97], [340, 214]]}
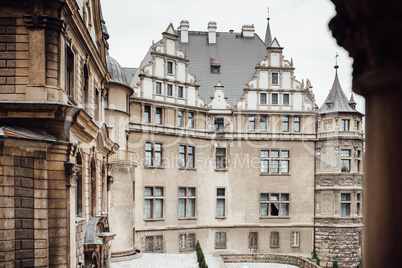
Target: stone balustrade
{"points": [[269, 258]]}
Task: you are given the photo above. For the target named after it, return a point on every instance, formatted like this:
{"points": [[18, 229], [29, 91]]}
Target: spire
{"points": [[336, 101], [352, 102], [268, 36]]}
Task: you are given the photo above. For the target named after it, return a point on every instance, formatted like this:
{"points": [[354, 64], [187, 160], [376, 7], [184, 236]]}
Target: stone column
{"points": [[368, 30]]}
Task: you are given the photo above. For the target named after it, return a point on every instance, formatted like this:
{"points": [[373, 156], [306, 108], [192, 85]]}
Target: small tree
{"points": [[200, 256], [360, 264], [335, 264]]}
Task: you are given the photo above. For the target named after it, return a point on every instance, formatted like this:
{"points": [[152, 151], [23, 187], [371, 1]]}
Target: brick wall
{"points": [[7, 55]]}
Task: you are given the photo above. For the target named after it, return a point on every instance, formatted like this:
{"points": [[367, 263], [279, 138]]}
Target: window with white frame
{"points": [[345, 124], [220, 158], [220, 202], [186, 202], [158, 115], [219, 124], [153, 154], [186, 242], [285, 124], [345, 205], [296, 124], [147, 114], [263, 98], [154, 244], [169, 91], [253, 240], [180, 118], [220, 240], [170, 67], [263, 122], [274, 78], [285, 100], [158, 88], [186, 156], [295, 240], [277, 160], [274, 205], [274, 99], [251, 123], [345, 160], [153, 202], [190, 123], [274, 243], [180, 92]]}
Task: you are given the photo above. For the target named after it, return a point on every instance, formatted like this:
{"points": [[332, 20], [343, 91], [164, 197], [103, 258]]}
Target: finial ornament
{"points": [[336, 60], [268, 14]]}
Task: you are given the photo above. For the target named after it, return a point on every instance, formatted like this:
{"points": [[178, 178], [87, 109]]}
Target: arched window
{"points": [[78, 190], [93, 188], [85, 86]]}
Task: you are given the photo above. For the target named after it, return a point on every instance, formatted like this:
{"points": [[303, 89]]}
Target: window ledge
{"points": [[187, 168], [220, 217], [275, 174], [220, 247], [154, 167], [79, 219], [221, 169], [162, 219], [187, 218], [274, 217]]}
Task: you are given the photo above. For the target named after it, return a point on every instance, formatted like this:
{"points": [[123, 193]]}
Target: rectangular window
{"points": [[220, 202], [158, 115], [169, 90], [345, 160], [190, 120], [219, 124], [147, 114], [69, 71], [158, 88], [215, 69], [220, 240], [264, 161], [295, 240], [296, 124], [153, 202], [274, 240], [345, 205], [153, 154], [170, 67], [180, 92], [274, 98], [186, 242], [251, 123], [220, 158], [263, 98], [154, 244], [274, 78], [106, 99], [180, 115], [358, 204], [285, 124], [186, 202], [274, 205], [345, 124], [186, 156], [285, 99], [253, 240], [263, 122]]}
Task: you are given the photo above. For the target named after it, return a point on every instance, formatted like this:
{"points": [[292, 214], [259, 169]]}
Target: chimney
{"points": [[184, 25], [247, 30], [212, 32]]}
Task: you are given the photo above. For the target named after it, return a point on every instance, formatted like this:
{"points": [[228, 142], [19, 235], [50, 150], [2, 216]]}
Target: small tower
{"points": [[339, 179]]}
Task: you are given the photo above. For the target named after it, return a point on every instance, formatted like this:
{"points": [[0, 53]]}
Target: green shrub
{"points": [[335, 264], [200, 256]]}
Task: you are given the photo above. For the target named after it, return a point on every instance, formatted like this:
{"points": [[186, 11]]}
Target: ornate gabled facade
{"points": [[339, 179]]}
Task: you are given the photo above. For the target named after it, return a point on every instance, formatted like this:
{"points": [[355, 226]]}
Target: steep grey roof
{"points": [[129, 72], [237, 55], [336, 101], [116, 71]]}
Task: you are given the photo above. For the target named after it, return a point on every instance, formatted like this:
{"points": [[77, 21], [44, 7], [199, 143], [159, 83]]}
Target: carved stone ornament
{"points": [[73, 172], [327, 181], [346, 181]]}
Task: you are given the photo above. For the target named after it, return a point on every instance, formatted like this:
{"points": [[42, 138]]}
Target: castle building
{"points": [[212, 139]]}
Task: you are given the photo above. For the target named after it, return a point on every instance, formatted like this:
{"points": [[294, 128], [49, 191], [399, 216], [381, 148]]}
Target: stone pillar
{"points": [[368, 31]]}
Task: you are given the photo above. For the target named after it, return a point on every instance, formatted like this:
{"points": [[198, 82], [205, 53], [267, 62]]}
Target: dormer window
{"points": [[219, 124], [274, 78], [329, 105], [170, 67], [215, 65]]}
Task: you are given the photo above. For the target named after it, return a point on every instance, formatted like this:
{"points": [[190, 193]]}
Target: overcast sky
{"points": [[301, 27]]}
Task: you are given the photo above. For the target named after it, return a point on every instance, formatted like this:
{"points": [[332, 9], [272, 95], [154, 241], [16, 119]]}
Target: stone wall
{"points": [[7, 55], [80, 234], [341, 244]]}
